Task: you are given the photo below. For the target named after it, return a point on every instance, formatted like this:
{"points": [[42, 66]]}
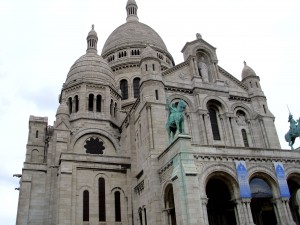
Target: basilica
{"points": [[111, 158]]}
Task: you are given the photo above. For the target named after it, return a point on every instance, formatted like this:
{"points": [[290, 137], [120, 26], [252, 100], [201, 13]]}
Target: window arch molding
{"points": [[265, 173], [238, 106], [189, 105], [222, 170], [101, 133], [222, 106], [209, 54]]}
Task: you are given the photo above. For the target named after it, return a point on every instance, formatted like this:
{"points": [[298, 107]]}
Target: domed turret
{"points": [[247, 72], [252, 81], [63, 109], [91, 66]]}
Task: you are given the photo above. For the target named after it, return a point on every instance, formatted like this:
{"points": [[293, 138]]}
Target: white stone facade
{"points": [[108, 129]]}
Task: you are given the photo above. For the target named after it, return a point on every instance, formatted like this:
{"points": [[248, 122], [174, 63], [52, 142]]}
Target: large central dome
{"points": [[131, 38], [133, 33]]}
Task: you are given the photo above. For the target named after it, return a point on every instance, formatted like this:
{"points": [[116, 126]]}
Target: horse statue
{"points": [[176, 119], [294, 131]]}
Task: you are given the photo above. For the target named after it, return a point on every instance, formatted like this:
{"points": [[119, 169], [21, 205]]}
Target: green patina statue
{"points": [[294, 131], [176, 119]]}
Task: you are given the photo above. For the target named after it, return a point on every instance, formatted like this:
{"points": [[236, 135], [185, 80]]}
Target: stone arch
{"points": [[292, 172], [293, 181], [95, 131], [267, 175], [190, 105], [222, 171], [215, 98], [208, 51], [118, 189], [240, 106], [86, 187]]}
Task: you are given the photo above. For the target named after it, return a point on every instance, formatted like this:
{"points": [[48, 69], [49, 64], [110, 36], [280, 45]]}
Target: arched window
{"points": [[124, 89], [70, 105], [86, 206], [102, 213], [37, 134], [153, 67], [265, 110], [136, 87], [91, 102], [76, 103], [156, 94], [214, 123], [141, 216], [145, 215], [111, 107], [115, 109], [170, 204], [146, 66], [98, 103], [117, 207], [245, 139]]}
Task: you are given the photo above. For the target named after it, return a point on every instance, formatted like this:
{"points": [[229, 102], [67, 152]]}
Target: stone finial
{"points": [[199, 36], [131, 8], [92, 40]]}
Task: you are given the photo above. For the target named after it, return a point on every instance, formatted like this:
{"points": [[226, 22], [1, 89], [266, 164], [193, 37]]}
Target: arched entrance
{"points": [[294, 188], [220, 208], [261, 203], [170, 205]]}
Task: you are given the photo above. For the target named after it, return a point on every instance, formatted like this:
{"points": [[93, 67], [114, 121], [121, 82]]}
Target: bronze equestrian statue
{"points": [[176, 119]]}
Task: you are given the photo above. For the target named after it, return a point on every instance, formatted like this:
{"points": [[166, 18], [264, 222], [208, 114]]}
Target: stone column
{"points": [[263, 130], [149, 117], [283, 212], [236, 132], [225, 129], [215, 68], [244, 211], [202, 127], [231, 130], [94, 103], [204, 210], [208, 129], [195, 66], [251, 133]]}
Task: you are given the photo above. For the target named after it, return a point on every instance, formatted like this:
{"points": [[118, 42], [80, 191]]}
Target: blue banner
{"points": [[281, 178], [242, 175]]}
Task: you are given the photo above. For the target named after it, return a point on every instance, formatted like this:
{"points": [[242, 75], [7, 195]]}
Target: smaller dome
{"points": [[247, 72], [62, 109], [131, 2], [92, 32], [91, 67], [148, 52]]}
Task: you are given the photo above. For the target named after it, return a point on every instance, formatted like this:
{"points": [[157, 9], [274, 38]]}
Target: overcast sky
{"points": [[40, 40]]}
